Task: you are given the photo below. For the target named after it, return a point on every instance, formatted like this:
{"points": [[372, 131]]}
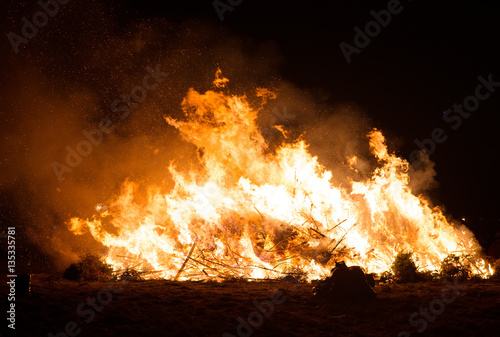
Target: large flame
{"points": [[253, 213]]}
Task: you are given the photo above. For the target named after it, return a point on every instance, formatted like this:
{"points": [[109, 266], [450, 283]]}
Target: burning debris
{"points": [[252, 213]]}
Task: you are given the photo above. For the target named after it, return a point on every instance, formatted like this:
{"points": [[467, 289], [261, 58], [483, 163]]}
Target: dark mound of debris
{"points": [[346, 283]]}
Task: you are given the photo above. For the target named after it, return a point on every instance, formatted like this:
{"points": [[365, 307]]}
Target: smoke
{"points": [[62, 86]]}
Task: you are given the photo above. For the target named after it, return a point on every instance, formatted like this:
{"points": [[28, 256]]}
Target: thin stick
{"points": [[185, 261], [340, 223], [255, 207], [307, 195], [342, 238], [203, 264], [317, 232]]}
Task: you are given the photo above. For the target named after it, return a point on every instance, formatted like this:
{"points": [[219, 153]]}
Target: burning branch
{"points": [[340, 223], [343, 237], [185, 261]]}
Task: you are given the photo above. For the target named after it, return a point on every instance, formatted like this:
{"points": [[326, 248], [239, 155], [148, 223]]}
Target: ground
{"points": [[164, 308]]}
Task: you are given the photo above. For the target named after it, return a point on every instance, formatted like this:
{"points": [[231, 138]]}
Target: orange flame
{"points": [[255, 214]]}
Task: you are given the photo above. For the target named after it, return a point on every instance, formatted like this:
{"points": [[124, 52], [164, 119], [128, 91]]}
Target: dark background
{"points": [[424, 61]]}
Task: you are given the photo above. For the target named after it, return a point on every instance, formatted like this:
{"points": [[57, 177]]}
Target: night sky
{"points": [[427, 58]]}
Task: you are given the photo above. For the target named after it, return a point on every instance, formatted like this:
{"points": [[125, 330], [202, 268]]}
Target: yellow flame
{"points": [[220, 82], [251, 213]]}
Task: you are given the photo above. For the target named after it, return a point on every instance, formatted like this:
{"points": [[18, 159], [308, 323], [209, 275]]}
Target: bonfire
{"points": [[251, 211]]}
